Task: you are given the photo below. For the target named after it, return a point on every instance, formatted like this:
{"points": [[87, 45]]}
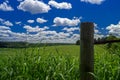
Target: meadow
{"points": [[59, 62]]}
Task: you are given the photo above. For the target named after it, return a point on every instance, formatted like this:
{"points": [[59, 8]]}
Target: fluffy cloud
{"points": [[75, 37], [30, 21], [96, 36], [5, 7], [63, 5], [66, 22], [61, 35], [71, 29], [6, 23], [13, 36], [3, 35], [46, 27], [114, 29], [42, 35], [96, 31], [7, 35], [4, 28], [19, 22], [56, 37], [35, 29], [4, 32], [40, 20], [34, 6], [93, 1]]}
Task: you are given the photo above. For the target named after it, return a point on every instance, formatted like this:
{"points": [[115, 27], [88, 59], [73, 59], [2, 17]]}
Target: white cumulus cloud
{"points": [[58, 21], [30, 21], [114, 29], [19, 22], [6, 23], [97, 33], [96, 36], [4, 28], [5, 7], [93, 1], [35, 29], [4, 32], [41, 20], [75, 37], [42, 35], [62, 5], [71, 29], [34, 6]]}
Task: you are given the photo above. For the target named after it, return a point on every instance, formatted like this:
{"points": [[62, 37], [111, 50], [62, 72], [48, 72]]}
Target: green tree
{"points": [[78, 42], [111, 37]]}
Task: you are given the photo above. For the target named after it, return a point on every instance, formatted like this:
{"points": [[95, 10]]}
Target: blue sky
{"points": [[56, 21]]}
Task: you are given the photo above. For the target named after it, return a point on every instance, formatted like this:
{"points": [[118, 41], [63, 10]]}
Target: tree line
{"points": [[103, 40], [4, 44]]}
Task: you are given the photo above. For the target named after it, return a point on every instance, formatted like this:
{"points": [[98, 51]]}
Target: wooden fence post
{"points": [[87, 51]]}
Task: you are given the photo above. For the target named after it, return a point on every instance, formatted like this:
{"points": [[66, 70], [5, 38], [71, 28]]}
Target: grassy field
{"points": [[55, 63]]}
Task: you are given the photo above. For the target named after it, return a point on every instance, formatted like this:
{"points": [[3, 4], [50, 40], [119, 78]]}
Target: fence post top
{"points": [[86, 22]]}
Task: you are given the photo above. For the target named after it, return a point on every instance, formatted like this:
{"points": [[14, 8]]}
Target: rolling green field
{"points": [[55, 63]]}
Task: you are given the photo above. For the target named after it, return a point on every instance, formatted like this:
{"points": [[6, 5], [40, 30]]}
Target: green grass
{"points": [[55, 63]]}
